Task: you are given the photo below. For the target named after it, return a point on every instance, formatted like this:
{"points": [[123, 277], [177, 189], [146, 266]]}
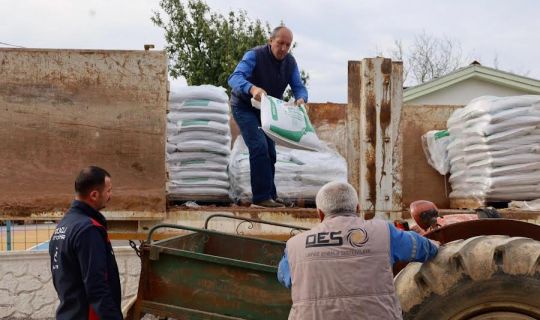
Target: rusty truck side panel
{"points": [[420, 180], [62, 110]]}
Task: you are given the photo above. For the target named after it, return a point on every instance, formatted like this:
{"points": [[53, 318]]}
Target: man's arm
{"points": [[284, 274], [92, 254], [410, 246], [238, 79], [297, 86]]}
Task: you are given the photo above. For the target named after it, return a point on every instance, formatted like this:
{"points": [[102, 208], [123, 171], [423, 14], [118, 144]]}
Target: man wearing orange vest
{"points": [[342, 268]]}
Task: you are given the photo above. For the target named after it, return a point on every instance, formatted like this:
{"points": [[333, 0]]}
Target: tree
{"points": [[428, 57], [203, 46]]}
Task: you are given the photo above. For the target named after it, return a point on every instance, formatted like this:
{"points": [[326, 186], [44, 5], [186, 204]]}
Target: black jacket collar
{"points": [[89, 211]]}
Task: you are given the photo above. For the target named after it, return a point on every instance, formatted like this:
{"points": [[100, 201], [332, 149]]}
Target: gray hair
{"points": [[337, 198], [276, 30]]}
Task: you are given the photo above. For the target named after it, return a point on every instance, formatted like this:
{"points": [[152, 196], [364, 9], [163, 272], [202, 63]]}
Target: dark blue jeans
{"points": [[262, 152]]}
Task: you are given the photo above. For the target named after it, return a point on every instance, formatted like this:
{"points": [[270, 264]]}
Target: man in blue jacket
{"points": [[266, 69], [84, 270], [342, 268]]}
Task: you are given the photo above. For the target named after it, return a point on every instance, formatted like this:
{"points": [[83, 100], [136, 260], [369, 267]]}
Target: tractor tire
{"points": [[480, 278]]}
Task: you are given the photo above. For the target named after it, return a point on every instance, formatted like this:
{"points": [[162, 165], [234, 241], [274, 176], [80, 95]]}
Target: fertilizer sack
{"points": [[435, 145], [288, 125]]}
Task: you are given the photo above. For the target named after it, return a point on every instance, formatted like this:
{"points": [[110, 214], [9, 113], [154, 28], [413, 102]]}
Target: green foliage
{"points": [[203, 46]]}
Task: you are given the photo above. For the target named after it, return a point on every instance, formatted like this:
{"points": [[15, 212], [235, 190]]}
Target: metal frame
{"points": [[294, 229], [207, 231], [154, 248]]}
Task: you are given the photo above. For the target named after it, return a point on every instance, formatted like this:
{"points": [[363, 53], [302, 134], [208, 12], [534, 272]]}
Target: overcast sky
{"points": [[328, 33]]}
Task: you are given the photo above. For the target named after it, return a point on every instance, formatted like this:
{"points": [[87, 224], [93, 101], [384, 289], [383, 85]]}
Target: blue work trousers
{"points": [[262, 152]]}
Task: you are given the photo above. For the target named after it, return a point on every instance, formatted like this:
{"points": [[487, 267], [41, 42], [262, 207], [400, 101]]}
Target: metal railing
{"points": [[16, 235]]}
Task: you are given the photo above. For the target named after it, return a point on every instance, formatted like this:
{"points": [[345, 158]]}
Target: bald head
{"points": [[281, 29], [280, 42], [337, 198]]}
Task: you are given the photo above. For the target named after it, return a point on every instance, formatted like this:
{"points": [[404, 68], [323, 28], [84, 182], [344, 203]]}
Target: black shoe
{"points": [[270, 203]]}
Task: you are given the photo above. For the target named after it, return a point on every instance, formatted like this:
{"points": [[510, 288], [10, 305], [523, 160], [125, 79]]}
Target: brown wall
{"points": [[62, 110], [420, 180]]}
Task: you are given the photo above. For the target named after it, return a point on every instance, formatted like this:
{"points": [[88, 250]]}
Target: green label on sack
{"points": [[273, 109], [288, 134], [194, 122], [197, 103], [441, 134], [194, 180], [309, 127], [189, 162]]}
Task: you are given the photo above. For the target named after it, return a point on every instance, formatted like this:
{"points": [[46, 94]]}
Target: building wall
{"points": [[463, 92], [26, 289]]}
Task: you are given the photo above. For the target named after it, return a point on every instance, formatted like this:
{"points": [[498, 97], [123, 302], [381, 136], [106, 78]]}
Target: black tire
{"points": [[486, 277]]}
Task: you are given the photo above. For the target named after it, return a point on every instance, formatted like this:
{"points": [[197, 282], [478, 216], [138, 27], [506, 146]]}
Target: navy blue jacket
{"points": [[84, 270], [259, 67]]}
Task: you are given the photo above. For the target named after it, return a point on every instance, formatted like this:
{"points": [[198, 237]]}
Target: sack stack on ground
{"points": [[198, 143], [494, 151], [299, 173]]}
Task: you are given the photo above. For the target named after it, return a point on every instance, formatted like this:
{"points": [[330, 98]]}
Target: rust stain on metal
{"points": [[353, 117], [386, 99], [385, 114], [327, 113], [66, 109], [254, 213], [371, 133], [420, 180], [386, 66]]}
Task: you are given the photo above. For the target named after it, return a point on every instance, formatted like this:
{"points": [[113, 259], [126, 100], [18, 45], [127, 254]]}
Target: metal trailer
{"points": [[207, 274], [486, 269]]}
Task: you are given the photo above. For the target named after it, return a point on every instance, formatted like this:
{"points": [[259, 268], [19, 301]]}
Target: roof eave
{"points": [[476, 71]]}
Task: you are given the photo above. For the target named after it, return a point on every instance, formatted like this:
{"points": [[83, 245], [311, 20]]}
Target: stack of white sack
{"points": [[299, 173], [494, 151], [198, 142]]}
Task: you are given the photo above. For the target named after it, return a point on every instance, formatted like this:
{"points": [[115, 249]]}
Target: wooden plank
{"points": [[66, 109]]}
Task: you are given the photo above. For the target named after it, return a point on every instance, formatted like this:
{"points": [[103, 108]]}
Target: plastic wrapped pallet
{"points": [[494, 152], [198, 144], [299, 173]]}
